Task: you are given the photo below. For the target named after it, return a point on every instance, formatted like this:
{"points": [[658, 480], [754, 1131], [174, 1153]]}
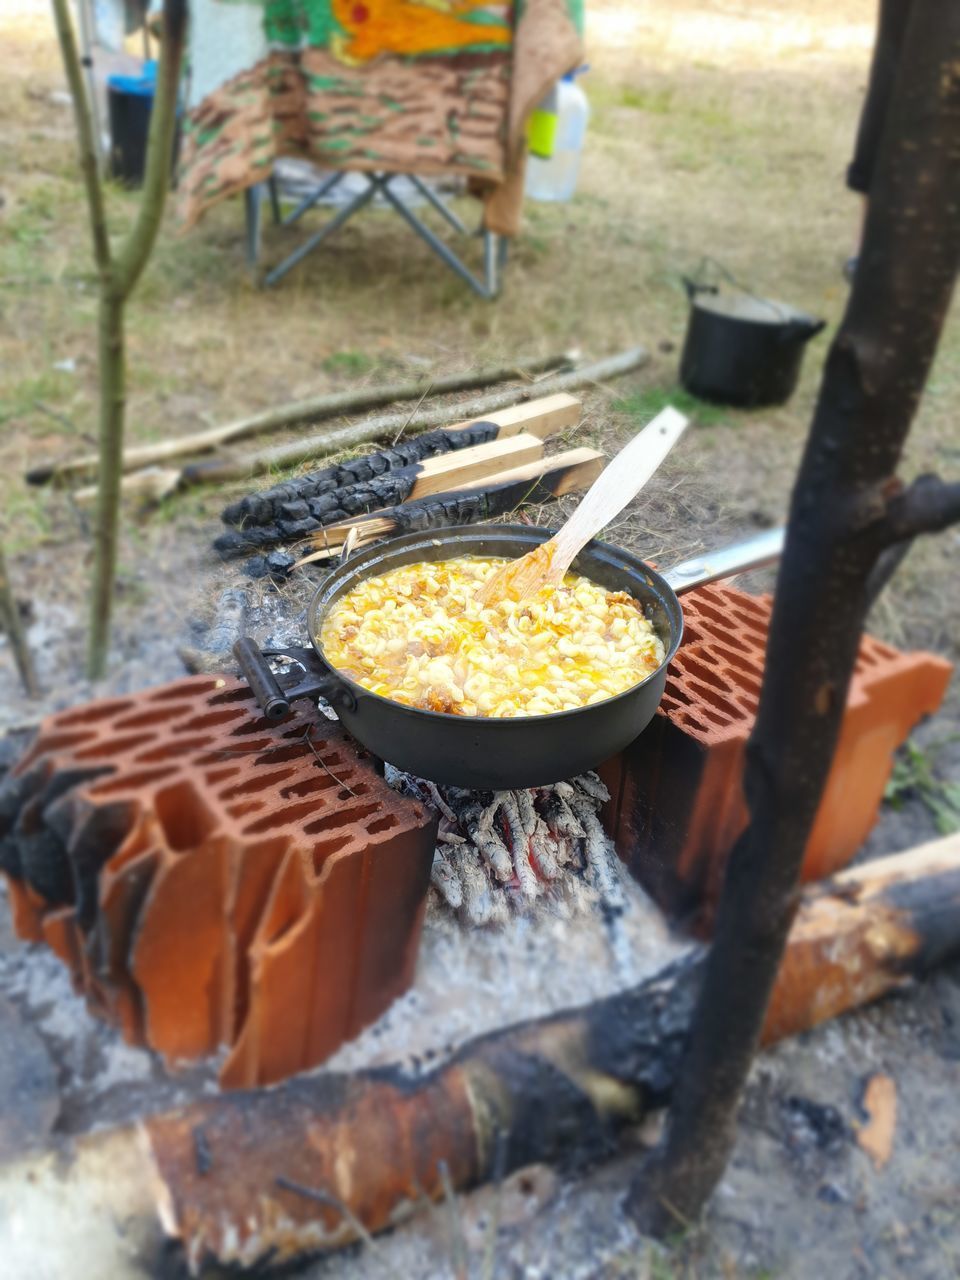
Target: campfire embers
{"points": [[502, 852]]}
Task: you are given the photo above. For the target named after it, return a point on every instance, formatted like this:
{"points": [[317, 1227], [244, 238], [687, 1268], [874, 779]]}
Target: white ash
{"points": [[510, 852], [533, 963], [586, 935]]}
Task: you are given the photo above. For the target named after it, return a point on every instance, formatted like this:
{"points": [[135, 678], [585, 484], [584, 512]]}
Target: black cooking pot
{"points": [[742, 350], [481, 752]]}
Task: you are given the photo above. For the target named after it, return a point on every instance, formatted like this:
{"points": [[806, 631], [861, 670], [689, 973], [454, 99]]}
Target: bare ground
{"points": [[721, 127]]}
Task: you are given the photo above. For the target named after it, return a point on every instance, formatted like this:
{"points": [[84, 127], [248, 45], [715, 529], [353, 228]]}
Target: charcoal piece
{"points": [[237, 542], [279, 563], [293, 511], [34, 854], [276, 565], [322, 506], [295, 528]]}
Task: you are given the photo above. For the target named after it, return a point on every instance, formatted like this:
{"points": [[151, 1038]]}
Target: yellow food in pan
{"points": [[419, 635]]}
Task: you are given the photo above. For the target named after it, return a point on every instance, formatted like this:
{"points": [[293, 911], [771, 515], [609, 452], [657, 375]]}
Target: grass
{"points": [[915, 776], [351, 363], [646, 404]]}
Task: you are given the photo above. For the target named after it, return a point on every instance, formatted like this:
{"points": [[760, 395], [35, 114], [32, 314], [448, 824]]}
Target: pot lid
{"points": [[740, 306]]}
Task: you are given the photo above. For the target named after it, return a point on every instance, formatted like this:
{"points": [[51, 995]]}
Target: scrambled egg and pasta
{"points": [[419, 635]]}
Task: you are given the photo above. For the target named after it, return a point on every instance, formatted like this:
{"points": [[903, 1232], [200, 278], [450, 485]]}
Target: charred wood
{"points": [[560, 1089], [265, 506]]}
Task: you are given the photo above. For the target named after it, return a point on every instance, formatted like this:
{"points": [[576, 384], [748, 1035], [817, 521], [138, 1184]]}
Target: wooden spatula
{"points": [[619, 481]]}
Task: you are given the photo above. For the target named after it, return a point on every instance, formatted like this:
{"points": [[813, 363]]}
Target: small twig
{"points": [[334, 1202], [439, 801], [413, 413], [451, 837], [57, 417], [454, 1224], [324, 766]]}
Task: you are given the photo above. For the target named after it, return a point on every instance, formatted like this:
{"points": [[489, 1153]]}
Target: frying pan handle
{"points": [[765, 548], [274, 694]]}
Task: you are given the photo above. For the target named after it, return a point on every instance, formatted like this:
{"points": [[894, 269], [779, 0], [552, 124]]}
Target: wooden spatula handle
{"points": [[622, 478]]}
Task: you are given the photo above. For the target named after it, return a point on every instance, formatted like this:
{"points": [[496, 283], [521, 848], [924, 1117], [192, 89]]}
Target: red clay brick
{"points": [[239, 884], [679, 806]]}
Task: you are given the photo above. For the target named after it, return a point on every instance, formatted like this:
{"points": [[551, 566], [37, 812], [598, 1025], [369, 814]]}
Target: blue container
{"points": [[130, 102]]}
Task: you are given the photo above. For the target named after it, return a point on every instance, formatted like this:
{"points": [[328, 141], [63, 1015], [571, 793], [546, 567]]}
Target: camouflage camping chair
{"points": [[381, 88]]}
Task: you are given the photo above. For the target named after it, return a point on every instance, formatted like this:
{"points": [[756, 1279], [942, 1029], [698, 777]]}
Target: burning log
{"points": [[376, 1144], [226, 628], [521, 848]]}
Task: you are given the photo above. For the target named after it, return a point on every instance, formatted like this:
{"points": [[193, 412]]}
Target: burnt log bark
{"points": [[847, 509], [262, 507], [440, 511]]}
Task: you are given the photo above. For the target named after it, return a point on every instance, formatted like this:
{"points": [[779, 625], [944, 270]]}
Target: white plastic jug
{"points": [[556, 178]]}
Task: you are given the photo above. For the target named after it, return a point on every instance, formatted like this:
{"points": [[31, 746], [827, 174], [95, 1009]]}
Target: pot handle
{"points": [[756, 552], [801, 330], [275, 693], [693, 287]]}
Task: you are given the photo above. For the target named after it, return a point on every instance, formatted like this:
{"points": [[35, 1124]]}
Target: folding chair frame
{"points": [[494, 246]]}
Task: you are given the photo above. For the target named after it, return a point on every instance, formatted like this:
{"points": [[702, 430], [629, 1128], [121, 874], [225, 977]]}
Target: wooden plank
{"points": [[573, 470], [543, 417], [464, 467]]}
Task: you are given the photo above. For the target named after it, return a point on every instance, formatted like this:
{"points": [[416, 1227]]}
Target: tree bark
{"points": [[119, 272], [89, 166], [847, 508], [113, 397]]}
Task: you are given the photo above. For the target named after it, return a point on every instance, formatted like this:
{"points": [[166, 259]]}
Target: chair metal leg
{"points": [[494, 246], [327, 229], [274, 189], [441, 207], [252, 198], [440, 248], [491, 262], [315, 197]]}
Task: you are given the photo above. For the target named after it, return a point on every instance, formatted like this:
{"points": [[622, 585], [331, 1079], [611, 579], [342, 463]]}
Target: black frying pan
{"points": [[475, 751]]}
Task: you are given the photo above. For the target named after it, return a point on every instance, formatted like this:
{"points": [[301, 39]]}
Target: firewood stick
{"points": [[558, 1089], [387, 425], [313, 409], [427, 477], [476, 466]]}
